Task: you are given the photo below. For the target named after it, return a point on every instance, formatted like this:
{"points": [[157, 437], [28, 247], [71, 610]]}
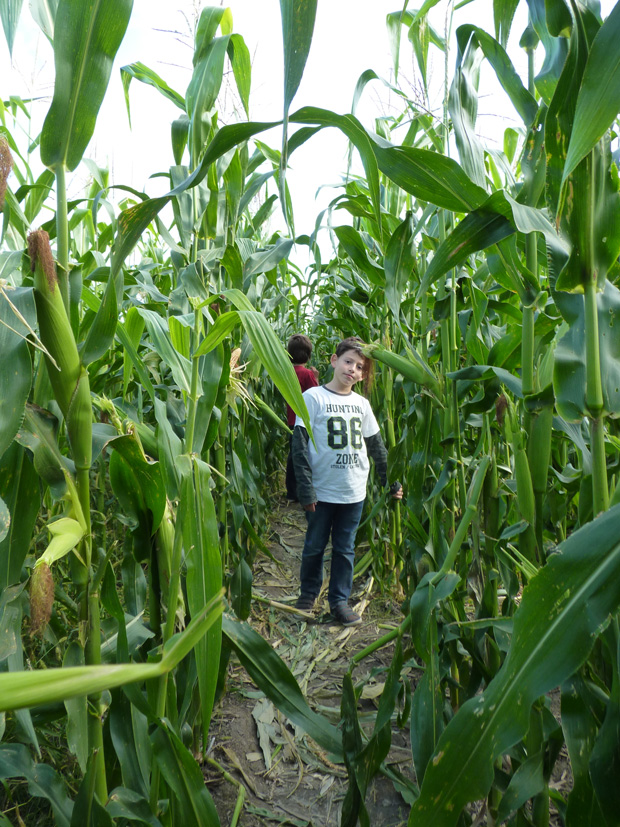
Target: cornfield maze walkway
{"points": [[288, 778]]}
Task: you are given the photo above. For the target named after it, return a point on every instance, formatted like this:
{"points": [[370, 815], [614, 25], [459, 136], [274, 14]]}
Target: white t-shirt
{"points": [[339, 463]]}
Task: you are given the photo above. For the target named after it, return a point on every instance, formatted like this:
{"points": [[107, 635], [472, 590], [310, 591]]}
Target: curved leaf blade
{"points": [[271, 675], [555, 627], [598, 101], [87, 37]]}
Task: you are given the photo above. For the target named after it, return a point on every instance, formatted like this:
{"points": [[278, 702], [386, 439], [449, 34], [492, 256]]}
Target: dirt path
{"points": [[288, 778]]}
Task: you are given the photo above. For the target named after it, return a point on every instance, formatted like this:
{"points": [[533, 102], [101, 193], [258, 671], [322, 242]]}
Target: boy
{"points": [[299, 349], [331, 478]]}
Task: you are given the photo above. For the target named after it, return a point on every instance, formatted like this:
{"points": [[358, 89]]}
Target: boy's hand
{"points": [[310, 507], [396, 490]]}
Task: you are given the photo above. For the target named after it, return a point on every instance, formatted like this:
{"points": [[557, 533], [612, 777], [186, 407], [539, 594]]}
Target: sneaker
{"points": [[345, 615], [305, 603]]}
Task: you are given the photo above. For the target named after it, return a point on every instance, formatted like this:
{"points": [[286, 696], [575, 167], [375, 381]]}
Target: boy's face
{"points": [[348, 369]]}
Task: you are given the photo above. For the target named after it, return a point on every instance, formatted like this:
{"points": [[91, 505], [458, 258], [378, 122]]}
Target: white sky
{"points": [[350, 36]]}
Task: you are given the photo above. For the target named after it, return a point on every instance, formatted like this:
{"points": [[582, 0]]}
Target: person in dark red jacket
{"points": [[300, 350]]}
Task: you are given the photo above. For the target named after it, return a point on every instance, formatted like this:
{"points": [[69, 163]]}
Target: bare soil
{"points": [[287, 778]]}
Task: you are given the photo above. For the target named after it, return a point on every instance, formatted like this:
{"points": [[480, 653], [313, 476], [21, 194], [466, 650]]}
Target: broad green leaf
{"points": [[521, 99], [463, 108], [44, 14], [554, 628], [598, 100], [430, 177], [265, 260], [145, 75], [128, 804], [273, 678], [580, 729], [138, 486], [19, 489], [198, 522], [19, 690], [494, 221], [298, 18], [204, 87], [358, 136], [241, 590], [87, 809], [87, 37], [555, 51], [43, 781], [355, 248], [10, 11], [400, 265], [484, 372], [569, 371], [503, 15], [591, 215], [241, 63], [17, 321], [184, 777], [362, 760], [605, 756], [158, 330]]}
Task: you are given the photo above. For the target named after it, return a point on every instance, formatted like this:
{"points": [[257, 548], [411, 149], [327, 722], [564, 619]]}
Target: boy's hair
{"points": [[356, 344], [299, 348]]}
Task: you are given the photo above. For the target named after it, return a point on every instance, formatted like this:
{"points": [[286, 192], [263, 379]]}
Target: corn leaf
{"points": [[598, 101], [503, 15], [17, 319], [10, 11], [19, 690], [139, 71], [298, 18], [563, 608], [273, 678], [498, 218], [203, 89], [400, 264], [569, 369], [463, 108], [184, 777], [44, 13], [580, 728], [127, 804], [43, 781], [19, 490], [87, 37], [198, 521], [556, 49], [77, 709], [241, 63], [160, 335], [521, 99], [430, 177]]}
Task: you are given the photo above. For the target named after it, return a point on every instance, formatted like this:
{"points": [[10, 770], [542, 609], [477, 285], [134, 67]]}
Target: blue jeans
{"points": [[341, 520]]}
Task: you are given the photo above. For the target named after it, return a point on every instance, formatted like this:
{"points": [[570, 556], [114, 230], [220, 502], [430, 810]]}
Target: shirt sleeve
{"points": [[370, 426], [301, 462], [376, 449]]}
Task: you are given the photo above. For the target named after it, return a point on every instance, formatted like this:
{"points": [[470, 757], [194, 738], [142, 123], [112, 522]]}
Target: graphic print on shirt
{"points": [[342, 435], [339, 462]]}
